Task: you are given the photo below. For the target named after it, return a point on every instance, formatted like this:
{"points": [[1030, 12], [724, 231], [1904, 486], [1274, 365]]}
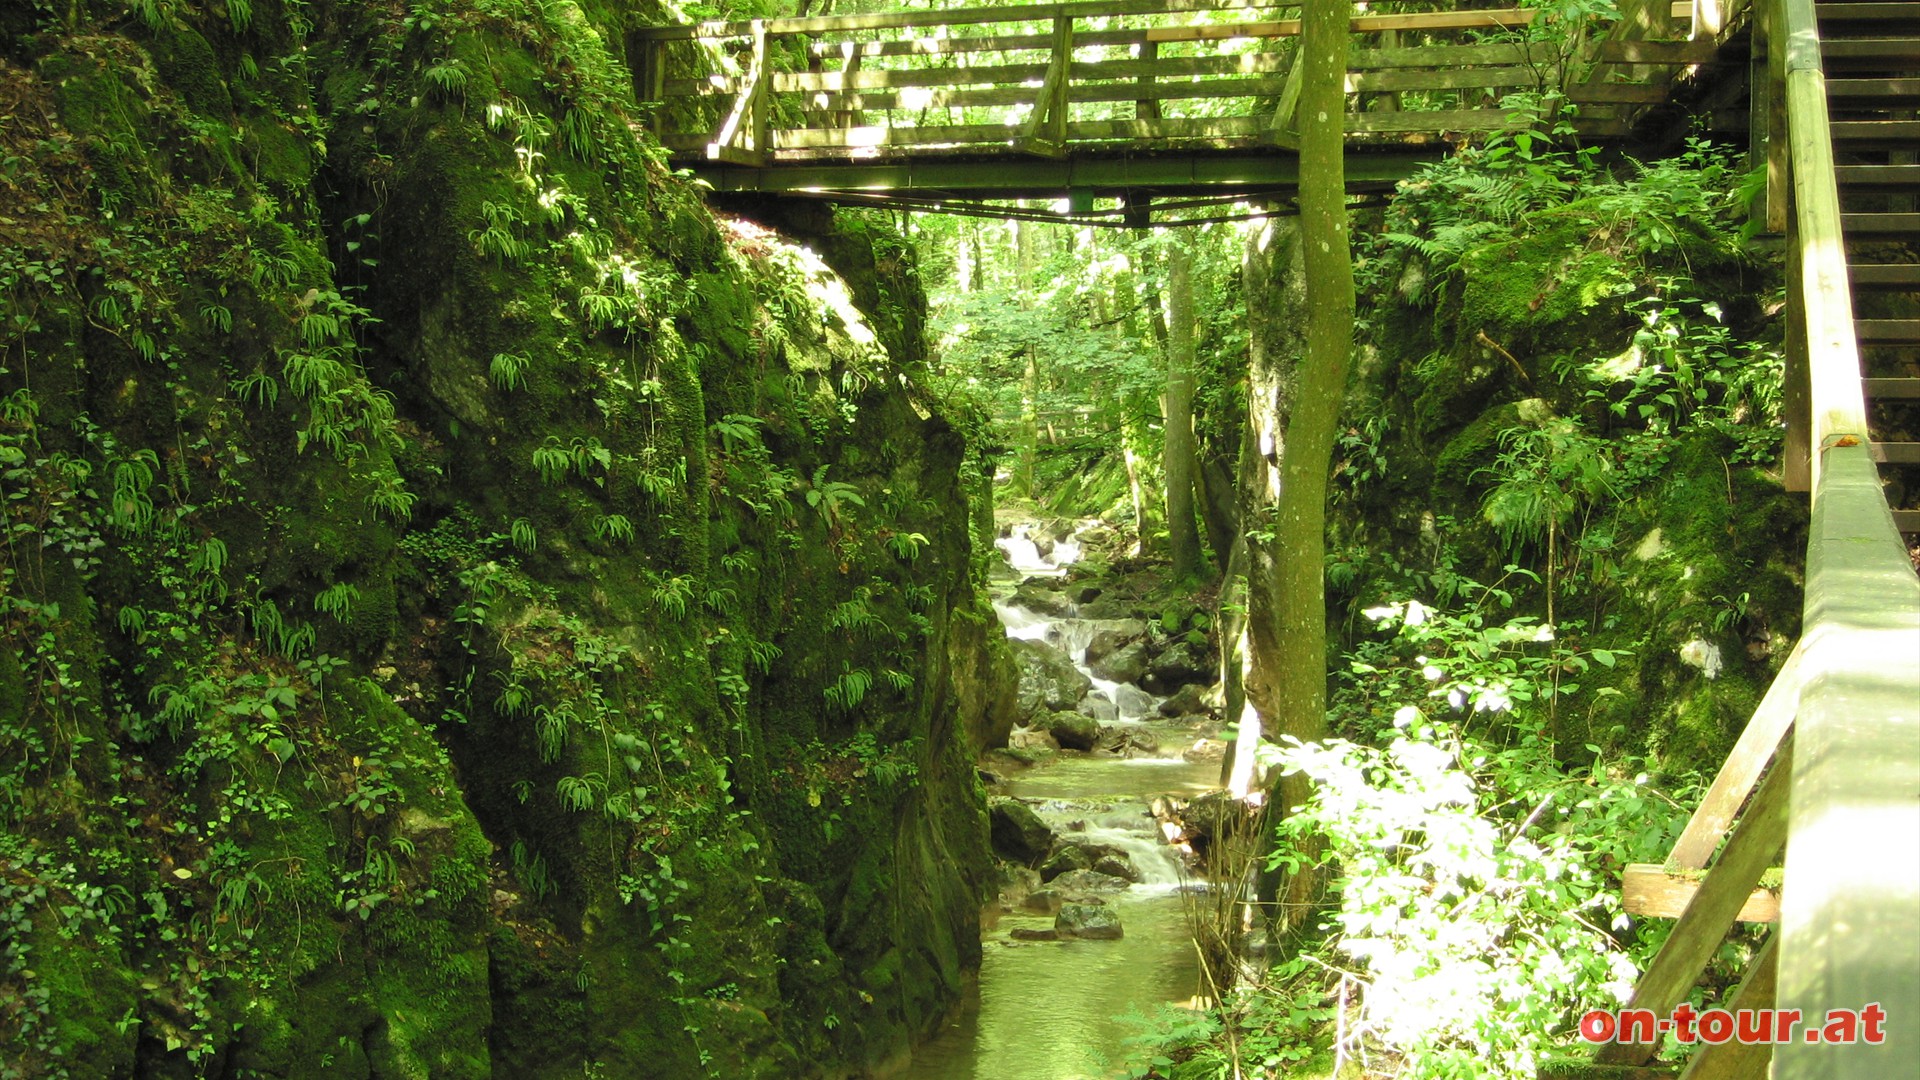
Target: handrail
{"points": [[1851, 901]]}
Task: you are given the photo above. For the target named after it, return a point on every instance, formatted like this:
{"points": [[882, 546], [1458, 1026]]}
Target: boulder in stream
{"points": [[1191, 700], [1017, 833], [1116, 866], [1123, 665], [1080, 884], [1099, 706], [1112, 635], [1041, 600], [1033, 933], [1048, 680], [1095, 922], [1074, 731], [1177, 665], [1067, 858]]}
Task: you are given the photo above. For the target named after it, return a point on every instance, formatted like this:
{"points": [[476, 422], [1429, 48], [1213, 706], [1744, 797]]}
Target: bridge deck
{"points": [[1122, 98]]}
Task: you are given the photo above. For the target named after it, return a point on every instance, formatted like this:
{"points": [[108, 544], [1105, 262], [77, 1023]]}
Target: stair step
{"points": [[1892, 389], [1899, 134], [1885, 276], [1896, 453], [1853, 93], [1907, 521], [1854, 225], [1887, 331], [1855, 13], [1878, 177], [1870, 53]]}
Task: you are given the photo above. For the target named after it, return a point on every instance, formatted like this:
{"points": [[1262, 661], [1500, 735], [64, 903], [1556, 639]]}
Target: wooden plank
{"points": [[1907, 521], [1441, 56], [1903, 389], [1463, 78], [1896, 453], [1898, 134], [1887, 332], [1220, 127], [1890, 91], [1853, 850], [1735, 1060], [1741, 770], [900, 20], [1000, 96], [1877, 177], [1656, 52], [1842, 13], [1618, 93], [1045, 132], [1698, 933], [1885, 275], [1652, 890], [1440, 120], [1880, 224]]}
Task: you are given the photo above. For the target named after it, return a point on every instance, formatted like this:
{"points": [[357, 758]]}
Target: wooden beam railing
{"points": [[1838, 733], [807, 84]]}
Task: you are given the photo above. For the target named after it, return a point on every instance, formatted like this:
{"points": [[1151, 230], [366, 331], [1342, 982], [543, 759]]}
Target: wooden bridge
{"points": [[1131, 100], [1113, 103]]}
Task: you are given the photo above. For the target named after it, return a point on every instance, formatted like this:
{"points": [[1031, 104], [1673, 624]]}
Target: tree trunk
{"points": [[1026, 458], [1287, 682], [1177, 451]]}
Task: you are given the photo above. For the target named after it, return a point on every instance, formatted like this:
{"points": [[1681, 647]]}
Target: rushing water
{"points": [[1048, 1010]]}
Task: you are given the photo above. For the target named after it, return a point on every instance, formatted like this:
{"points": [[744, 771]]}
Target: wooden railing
{"points": [[1126, 74], [1829, 766]]}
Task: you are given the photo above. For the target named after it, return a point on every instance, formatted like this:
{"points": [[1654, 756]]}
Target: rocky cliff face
{"points": [[467, 610]]}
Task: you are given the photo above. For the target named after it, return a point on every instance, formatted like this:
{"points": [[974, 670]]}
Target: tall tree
{"points": [[1177, 446], [1287, 629]]}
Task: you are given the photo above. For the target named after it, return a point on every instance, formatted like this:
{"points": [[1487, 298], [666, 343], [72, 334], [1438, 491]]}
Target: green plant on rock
{"points": [[1544, 477]]}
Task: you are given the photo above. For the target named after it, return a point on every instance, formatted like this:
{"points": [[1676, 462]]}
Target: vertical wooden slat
{"points": [[1147, 108]]}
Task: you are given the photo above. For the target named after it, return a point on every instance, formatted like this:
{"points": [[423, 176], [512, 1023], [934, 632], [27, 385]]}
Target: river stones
{"points": [[1074, 731], [1033, 933], [1045, 901], [1123, 665], [1093, 922], [1191, 700], [1042, 601], [1066, 858], [1112, 635], [1048, 680], [1080, 884], [1017, 833], [1177, 665], [1099, 706], [1116, 866]]}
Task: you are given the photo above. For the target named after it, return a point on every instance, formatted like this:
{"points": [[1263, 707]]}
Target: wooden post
{"points": [[1045, 132], [1734, 1060], [1147, 108], [757, 118], [1779, 149]]}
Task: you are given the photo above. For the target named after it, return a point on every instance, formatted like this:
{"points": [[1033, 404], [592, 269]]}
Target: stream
{"points": [[1047, 1010]]}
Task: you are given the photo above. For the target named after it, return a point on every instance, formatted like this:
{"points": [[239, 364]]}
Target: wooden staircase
{"points": [[1871, 52]]}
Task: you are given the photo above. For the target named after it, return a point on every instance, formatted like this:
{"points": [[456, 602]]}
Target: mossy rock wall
{"points": [[469, 610]]}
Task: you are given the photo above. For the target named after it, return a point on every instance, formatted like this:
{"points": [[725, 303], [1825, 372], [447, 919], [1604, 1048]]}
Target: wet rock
{"points": [[1190, 700], [1045, 901], [1074, 731], [1043, 546], [1068, 858], [1107, 606], [1087, 594], [1048, 680], [1031, 740], [1177, 665], [989, 778], [1081, 884], [1123, 665], [1017, 833], [1094, 922], [1099, 706], [1131, 741], [1112, 635], [1033, 933], [1042, 601], [1116, 866]]}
